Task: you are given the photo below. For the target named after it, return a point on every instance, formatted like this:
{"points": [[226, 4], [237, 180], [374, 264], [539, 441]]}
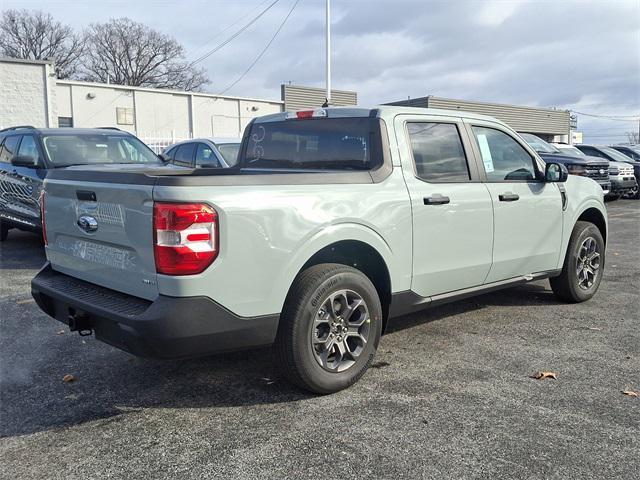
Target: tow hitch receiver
{"points": [[79, 322]]}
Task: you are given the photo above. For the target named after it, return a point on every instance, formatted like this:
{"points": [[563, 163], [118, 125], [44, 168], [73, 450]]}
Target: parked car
{"points": [[624, 173], [631, 151], [28, 153], [334, 221], [593, 168], [204, 153]]}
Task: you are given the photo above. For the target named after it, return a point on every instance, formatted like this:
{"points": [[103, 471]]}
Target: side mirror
{"points": [[556, 172], [25, 161], [164, 158]]}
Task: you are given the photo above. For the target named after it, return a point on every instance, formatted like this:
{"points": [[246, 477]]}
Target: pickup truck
{"points": [[333, 222]]}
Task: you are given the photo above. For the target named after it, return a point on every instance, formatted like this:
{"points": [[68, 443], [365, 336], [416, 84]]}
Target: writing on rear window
{"points": [[312, 144]]}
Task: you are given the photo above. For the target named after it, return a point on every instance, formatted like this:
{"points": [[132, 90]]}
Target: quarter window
{"points": [[503, 157], [437, 152]]}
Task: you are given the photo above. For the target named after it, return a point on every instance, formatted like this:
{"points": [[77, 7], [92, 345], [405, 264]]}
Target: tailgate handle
{"points": [[86, 195]]}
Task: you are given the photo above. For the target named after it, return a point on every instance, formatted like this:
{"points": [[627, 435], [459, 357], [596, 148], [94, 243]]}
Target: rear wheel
{"points": [[329, 329], [4, 231], [583, 265]]}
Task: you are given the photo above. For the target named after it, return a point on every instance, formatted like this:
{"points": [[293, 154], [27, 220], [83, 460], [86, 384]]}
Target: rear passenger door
{"points": [[527, 211], [451, 209]]}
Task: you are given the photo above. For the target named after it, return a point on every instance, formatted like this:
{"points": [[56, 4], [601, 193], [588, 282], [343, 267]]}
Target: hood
{"points": [[569, 159]]}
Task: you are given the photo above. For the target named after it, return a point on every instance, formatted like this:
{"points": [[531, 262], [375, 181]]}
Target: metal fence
{"points": [[159, 142]]}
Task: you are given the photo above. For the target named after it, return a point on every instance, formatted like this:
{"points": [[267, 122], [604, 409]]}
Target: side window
{"points": [[28, 148], [592, 152], [503, 157], [437, 152], [184, 155], [171, 153], [205, 156], [10, 147]]}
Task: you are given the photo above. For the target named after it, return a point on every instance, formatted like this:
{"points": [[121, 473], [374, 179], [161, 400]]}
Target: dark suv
{"points": [[591, 167], [626, 174], [27, 153]]}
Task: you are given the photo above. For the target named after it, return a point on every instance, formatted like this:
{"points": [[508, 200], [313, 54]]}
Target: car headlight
{"points": [[576, 169]]}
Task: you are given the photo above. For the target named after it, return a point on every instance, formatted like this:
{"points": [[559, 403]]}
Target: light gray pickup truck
{"points": [[333, 222]]}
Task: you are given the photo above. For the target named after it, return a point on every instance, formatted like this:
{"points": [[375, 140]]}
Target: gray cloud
{"points": [[570, 54]]}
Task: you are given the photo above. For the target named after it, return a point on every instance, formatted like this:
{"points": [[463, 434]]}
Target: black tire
{"points": [[4, 231], [567, 286], [294, 349]]}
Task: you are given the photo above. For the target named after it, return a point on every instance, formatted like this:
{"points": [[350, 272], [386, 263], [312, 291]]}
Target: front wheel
{"points": [[329, 328], [583, 265]]}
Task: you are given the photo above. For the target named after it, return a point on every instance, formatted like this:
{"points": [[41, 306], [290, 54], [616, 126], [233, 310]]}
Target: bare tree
{"points": [[125, 52], [36, 35]]}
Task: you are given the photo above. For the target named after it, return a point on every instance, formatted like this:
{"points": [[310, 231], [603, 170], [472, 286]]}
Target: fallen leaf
{"points": [[61, 332], [22, 302], [594, 328], [543, 375], [631, 393], [68, 378], [380, 364]]}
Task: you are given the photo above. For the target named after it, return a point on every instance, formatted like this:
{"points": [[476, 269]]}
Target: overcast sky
{"points": [[579, 55]]}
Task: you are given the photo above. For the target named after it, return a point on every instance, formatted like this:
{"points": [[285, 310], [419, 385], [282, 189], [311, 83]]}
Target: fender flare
{"points": [[323, 238]]}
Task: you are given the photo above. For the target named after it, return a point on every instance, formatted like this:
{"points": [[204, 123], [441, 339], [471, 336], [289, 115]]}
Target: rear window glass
{"points": [[313, 144], [89, 149]]}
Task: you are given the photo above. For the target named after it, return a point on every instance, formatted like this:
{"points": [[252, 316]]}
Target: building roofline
{"points": [[26, 60], [162, 90], [478, 102]]}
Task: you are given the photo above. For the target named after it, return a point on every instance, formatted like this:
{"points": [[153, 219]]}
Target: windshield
{"points": [[572, 151], [315, 144], [229, 152], [96, 148], [538, 144], [616, 155]]}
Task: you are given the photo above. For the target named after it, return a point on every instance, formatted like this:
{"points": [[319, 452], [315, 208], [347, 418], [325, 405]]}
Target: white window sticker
{"points": [[485, 152]]}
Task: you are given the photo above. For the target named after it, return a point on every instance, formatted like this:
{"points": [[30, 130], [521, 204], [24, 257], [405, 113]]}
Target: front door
{"points": [[527, 210], [451, 208]]}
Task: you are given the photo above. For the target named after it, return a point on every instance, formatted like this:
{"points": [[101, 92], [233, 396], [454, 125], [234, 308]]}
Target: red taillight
{"points": [[305, 114], [44, 227], [186, 237]]}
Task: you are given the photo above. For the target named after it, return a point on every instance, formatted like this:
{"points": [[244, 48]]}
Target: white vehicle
{"points": [[204, 153], [333, 222]]}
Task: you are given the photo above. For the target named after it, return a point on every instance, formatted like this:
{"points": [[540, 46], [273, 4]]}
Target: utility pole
{"points": [[328, 39]]}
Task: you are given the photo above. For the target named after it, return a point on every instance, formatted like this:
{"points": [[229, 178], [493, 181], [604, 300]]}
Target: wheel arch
{"points": [[358, 246], [595, 216]]}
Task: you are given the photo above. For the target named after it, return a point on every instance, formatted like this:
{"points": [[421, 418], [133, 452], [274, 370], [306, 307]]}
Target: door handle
{"points": [[436, 200], [508, 197]]}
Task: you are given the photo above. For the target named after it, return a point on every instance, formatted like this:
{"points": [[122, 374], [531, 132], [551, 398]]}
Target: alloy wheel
{"points": [[588, 263]]}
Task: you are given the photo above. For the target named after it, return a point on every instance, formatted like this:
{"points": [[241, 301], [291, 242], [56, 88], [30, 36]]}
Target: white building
{"points": [[30, 94]]}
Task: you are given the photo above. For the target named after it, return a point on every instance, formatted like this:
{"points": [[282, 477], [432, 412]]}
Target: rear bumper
{"points": [[168, 327]]}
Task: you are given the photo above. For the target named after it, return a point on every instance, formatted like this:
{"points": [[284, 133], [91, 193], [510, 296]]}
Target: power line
{"points": [[228, 27], [257, 59], [234, 36], [618, 118]]}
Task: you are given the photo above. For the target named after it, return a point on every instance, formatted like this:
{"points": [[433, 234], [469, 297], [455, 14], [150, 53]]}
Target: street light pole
{"points": [[328, 61]]}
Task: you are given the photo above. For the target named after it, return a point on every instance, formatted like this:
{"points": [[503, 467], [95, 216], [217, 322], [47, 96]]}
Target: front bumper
{"points": [[168, 327], [620, 185]]}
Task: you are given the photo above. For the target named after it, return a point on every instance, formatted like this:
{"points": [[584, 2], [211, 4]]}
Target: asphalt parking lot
{"points": [[450, 395]]}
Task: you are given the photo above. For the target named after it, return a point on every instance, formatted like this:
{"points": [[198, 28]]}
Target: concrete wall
{"points": [[159, 114], [27, 93]]}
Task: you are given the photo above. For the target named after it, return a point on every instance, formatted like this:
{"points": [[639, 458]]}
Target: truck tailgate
{"points": [[102, 233]]}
